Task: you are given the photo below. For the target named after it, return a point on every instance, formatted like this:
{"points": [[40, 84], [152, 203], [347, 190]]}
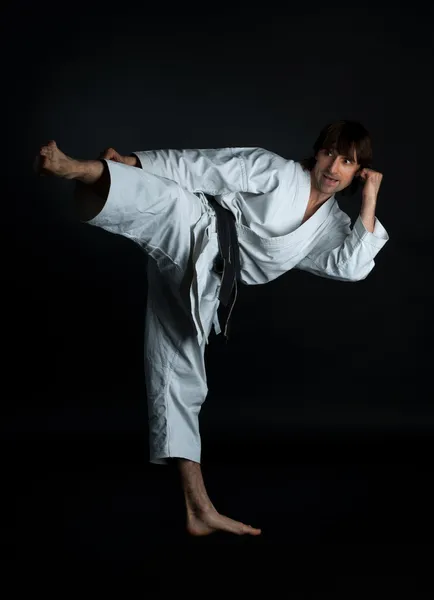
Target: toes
{"points": [[46, 150], [251, 530]]}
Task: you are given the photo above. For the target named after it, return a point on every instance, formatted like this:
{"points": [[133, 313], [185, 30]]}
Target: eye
{"points": [[328, 152]]}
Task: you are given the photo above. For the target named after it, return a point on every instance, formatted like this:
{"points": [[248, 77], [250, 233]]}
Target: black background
{"points": [[320, 430]]}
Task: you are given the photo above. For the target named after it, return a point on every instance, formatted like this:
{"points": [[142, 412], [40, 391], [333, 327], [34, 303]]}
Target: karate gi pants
{"points": [[177, 229]]}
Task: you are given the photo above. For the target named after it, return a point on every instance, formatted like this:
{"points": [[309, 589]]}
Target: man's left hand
{"points": [[372, 183]]}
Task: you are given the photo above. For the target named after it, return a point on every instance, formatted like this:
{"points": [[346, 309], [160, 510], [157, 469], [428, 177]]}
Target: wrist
{"points": [[369, 200], [132, 160]]}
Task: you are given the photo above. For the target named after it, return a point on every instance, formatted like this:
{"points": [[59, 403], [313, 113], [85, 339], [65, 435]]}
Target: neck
{"points": [[317, 197]]}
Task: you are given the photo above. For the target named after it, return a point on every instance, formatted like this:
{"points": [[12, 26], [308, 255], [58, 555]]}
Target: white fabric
{"points": [[268, 196], [162, 208]]}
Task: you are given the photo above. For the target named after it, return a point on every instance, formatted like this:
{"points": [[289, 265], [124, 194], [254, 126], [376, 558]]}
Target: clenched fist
{"points": [[372, 181]]}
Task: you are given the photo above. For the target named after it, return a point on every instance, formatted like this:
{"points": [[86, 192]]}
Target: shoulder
{"points": [[261, 153], [262, 159]]}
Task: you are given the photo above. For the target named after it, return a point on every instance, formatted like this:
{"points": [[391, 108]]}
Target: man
{"points": [[285, 216]]}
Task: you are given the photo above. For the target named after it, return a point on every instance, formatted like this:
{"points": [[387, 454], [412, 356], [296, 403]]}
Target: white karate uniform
{"points": [[162, 208]]}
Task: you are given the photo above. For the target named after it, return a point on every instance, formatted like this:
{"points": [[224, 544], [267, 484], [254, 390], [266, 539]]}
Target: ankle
{"points": [[196, 496], [87, 171], [199, 508]]}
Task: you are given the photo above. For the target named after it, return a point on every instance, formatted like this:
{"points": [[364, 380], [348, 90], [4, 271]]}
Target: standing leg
{"points": [[176, 386], [176, 382]]}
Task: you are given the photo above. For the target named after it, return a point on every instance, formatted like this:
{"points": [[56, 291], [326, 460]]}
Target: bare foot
{"points": [[52, 161], [210, 521]]}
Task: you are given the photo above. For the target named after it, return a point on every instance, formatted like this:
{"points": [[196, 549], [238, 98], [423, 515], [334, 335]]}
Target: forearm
{"points": [[132, 161], [211, 171], [367, 213]]}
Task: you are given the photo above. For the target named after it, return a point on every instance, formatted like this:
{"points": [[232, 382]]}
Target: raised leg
{"points": [[94, 174]]}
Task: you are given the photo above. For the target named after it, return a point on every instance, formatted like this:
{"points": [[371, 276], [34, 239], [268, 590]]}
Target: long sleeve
{"points": [[348, 255], [216, 171]]}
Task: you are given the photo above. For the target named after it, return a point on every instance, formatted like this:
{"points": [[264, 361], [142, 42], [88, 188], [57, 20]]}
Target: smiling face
{"points": [[332, 173]]}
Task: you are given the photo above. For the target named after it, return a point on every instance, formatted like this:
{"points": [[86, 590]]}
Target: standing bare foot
{"points": [[52, 161], [209, 521], [202, 516]]}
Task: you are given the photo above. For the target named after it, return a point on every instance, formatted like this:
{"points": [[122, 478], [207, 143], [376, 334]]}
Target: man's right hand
{"points": [[112, 154]]}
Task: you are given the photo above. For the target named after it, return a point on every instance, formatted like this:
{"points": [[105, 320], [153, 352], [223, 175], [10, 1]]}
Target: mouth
{"points": [[330, 180]]}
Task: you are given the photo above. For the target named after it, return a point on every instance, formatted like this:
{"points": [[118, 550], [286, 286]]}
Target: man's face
{"points": [[340, 169]]}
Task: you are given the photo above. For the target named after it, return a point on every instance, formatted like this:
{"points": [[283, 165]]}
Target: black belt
{"points": [[228, 261]]}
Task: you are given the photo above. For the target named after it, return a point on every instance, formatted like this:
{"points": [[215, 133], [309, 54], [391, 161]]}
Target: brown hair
{"points": [[344, 136]]}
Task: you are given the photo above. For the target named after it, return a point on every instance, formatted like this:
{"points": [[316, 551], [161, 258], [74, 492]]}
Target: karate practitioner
{"points": [[285, 216]]}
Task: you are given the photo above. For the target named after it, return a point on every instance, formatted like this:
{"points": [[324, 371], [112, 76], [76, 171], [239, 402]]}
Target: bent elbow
{"points": [[361, 274]]}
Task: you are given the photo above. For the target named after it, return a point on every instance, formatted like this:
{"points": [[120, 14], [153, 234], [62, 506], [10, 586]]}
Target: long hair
{"points": [[345, 137]]}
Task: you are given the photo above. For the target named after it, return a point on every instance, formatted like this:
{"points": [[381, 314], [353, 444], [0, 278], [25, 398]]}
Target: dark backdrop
{"points": [[313, 364]]}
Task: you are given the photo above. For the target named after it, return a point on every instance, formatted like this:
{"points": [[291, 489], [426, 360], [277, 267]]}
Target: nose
{"points": [[333, 168]]}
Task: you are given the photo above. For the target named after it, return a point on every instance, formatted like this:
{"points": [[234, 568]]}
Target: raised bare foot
{"points": [[210, 521], [52, 161]]}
